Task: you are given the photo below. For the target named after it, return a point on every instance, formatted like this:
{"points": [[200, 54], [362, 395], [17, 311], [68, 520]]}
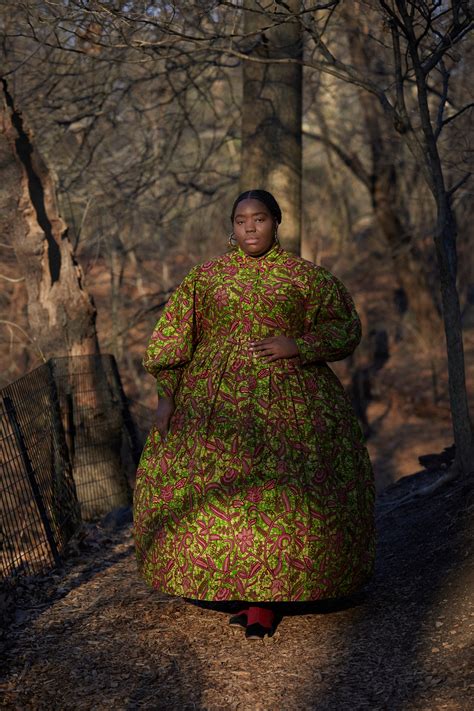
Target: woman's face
{"points": [[254, 227]]}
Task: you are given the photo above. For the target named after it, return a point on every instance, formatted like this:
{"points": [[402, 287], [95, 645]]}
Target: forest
{"points": [[128, 127], [147, 122]]}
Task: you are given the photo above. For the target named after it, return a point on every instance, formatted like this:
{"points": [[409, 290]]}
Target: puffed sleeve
{"points": [[332, 325], [174, 337]]}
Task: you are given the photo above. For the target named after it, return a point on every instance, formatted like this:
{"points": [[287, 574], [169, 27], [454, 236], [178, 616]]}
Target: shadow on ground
{"points": [[94, 637]]}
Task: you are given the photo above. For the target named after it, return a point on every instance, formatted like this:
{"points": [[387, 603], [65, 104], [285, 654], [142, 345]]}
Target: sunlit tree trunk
{"points": [[271, 115], [61, 313]]}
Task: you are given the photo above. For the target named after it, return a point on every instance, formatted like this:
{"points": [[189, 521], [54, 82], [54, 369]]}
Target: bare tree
{"points": [[386, 175], [425, 43], [423, 39], [139, 140], [61, 313]]}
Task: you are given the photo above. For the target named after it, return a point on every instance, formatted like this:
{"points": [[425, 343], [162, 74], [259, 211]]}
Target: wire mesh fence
{"points": [[69, 445]]}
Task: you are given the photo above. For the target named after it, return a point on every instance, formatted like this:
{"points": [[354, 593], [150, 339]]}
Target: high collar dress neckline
{"points": [[246, 260]]}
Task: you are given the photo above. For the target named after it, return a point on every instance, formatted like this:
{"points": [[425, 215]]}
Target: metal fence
{"points": [[69, 445]]}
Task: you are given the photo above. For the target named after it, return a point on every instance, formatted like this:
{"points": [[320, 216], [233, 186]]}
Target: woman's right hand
{"points": [[164, 412]]}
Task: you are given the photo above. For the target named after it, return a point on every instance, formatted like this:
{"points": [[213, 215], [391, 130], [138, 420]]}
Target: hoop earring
{"points": [[232, 242]]}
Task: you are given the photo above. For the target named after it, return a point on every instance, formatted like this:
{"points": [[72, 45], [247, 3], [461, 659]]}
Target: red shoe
{"points": [[239, 619], [259, 622]]}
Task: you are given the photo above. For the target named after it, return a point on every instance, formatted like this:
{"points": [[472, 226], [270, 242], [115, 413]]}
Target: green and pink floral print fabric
{"points": [[263, 489]]}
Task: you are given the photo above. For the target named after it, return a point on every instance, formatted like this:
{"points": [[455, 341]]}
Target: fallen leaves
{"points": [[92, 636]]}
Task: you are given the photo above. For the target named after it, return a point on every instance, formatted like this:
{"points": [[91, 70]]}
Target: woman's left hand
{"points": [[274, 348]]}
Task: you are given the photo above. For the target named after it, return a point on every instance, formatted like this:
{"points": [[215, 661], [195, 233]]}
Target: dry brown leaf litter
{"points": [[94, 637]]}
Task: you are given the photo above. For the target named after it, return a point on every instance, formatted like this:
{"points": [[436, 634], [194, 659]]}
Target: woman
{"points": [[254, 484]]}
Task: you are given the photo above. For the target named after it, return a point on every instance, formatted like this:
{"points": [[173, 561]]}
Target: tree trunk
{"points": [[445, 241], [271, 116], [61, 314]]}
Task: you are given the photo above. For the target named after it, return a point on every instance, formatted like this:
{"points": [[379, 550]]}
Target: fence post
{"points": [[20, 442], [62, 460]]}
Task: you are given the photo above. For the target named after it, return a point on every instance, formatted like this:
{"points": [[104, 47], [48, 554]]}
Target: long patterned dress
{"points": [[263, 489]]}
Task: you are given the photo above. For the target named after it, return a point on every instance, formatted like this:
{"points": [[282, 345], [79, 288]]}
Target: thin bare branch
{"points": [[10, 279]]}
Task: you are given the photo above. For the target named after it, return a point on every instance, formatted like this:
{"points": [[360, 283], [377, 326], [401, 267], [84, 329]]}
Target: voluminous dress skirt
{"points": [[262, 489]]}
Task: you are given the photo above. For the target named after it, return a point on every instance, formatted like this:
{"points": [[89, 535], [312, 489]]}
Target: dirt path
{"points": [[94, 637]]}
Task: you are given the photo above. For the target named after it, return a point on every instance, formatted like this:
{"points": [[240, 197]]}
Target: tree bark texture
{"points": [[61, 314], [271, 114]]}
